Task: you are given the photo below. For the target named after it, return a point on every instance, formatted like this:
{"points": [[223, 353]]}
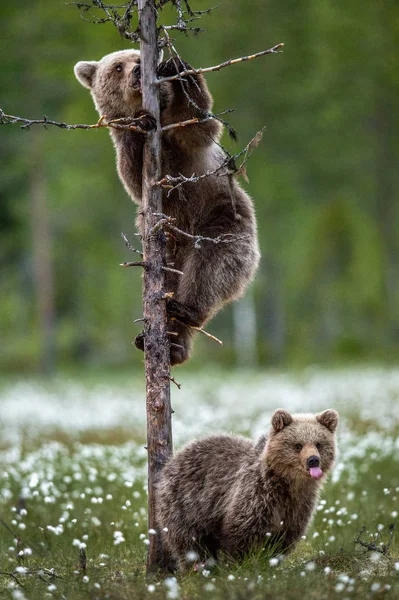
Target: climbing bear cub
{"points": [[213, 274], [224, 493]]}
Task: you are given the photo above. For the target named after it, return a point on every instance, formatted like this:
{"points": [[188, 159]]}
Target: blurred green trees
{"points": [[324, 180]]}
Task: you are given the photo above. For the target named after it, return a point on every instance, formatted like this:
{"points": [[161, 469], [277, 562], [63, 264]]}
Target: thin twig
{"points": [[200, 329], [196, 120], [173, 380], [129, 245], [139, 263], [209, 335], [227, 63]]}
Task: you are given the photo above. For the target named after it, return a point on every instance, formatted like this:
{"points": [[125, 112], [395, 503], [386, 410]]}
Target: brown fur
{"points": [[224, 493], [213, 274]]}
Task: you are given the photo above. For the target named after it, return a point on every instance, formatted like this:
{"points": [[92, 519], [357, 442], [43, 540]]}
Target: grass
{"points": [[73, 479]]}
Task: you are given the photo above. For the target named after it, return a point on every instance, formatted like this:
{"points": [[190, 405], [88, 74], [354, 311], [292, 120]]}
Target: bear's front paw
{"points": [[147, 121], [172, 66]]}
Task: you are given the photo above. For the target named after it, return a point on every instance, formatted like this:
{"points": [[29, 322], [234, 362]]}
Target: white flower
{"points": [[273, 562], [310, 566], [151, 588], [191, 556], [230, 577], [209, 587], [173, 588]]}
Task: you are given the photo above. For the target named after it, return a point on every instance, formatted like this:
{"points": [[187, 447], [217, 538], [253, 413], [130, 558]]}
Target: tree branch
{"points": [[126, 123], [172, 183], [227, 63], [224, 238]]}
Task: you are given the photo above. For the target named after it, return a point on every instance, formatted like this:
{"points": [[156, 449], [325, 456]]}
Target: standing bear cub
{"points": [[213, 274], [224, 493]]}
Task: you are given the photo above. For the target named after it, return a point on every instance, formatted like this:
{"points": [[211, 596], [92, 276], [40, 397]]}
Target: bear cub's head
{"points": [[301, 447], [114, 82]]}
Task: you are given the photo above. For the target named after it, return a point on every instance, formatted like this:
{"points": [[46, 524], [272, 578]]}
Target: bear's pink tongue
{"points": [[315, 472]]}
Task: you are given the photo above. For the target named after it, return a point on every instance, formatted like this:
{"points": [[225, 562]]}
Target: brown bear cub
{"points": [[213, 274], [226, 494]]}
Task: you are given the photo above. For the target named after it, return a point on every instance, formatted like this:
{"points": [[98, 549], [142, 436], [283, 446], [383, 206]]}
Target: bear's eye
{"points": [[119, 68], [298, 447], [318, 446]]}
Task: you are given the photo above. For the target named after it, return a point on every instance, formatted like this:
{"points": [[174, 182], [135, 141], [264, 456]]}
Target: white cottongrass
{"points": [[173, 588], [273, 562]]}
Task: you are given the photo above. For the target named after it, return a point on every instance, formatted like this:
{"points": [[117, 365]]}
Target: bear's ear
{"points": [[84, 72], [329, 418], [280, 419]]}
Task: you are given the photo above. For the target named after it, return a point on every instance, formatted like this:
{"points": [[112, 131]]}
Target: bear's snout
{"points": [[313, 461]]}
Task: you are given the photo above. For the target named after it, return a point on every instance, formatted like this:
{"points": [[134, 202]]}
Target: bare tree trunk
{"points": [[244, 319], [42, 265], [156, 343]]}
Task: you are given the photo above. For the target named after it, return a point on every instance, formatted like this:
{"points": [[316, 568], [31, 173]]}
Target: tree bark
{"points": [[156, 342], [42, 263]]}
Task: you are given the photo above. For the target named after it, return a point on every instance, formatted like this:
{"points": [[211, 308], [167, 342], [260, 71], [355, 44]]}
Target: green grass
{"points": [[59, 492]]}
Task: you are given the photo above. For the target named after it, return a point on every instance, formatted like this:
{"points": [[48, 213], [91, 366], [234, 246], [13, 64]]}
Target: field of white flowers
{"points": [[73, 485]]}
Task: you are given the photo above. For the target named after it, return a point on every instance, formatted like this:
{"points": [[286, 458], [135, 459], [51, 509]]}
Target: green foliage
{"points": [[324, 180]]}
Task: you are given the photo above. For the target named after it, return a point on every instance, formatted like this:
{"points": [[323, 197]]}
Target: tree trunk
{"points": [[42, 265], [244, 319], [156, 343]]}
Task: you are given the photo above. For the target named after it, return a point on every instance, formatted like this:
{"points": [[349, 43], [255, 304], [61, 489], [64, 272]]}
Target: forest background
{"points": [[324, 180]]}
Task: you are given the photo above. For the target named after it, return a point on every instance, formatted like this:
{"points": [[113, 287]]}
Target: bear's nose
{"points": [[313, 461], [136, 71]]}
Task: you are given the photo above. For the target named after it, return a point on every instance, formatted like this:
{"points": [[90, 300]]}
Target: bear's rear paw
{"points": [[179, 351], [182, 313]]}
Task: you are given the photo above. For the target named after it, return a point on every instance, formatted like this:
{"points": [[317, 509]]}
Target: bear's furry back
{"points": [[194, 491]]}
